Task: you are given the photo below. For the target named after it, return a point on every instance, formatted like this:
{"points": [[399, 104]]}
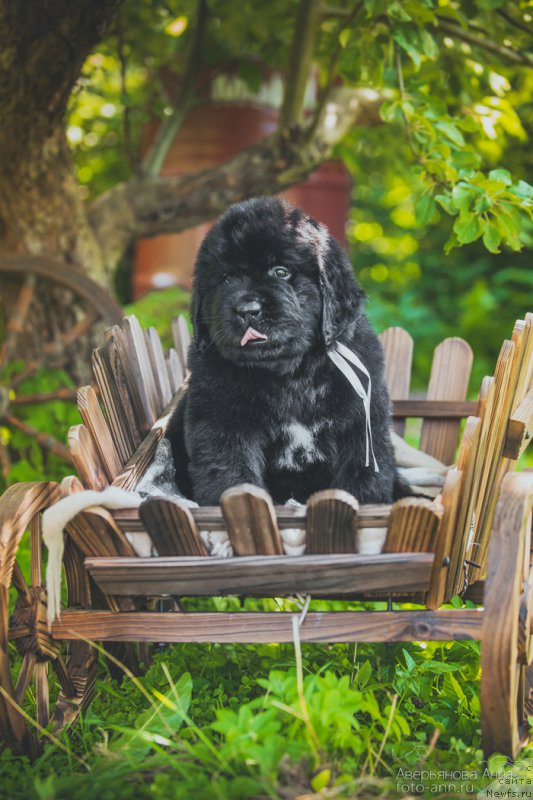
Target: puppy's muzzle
{"points": [[248, 310]]}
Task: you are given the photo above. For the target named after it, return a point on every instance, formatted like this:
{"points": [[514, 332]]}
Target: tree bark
{"points": [[43, 44]]}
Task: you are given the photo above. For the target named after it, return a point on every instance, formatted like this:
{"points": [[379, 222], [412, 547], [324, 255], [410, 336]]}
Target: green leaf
{"points": [[501, 175], [446, 202], [451, 131], [412, 51], [344, 36], [424, 209], [431, 48], [467, 229], [464, 196], [491, 237], [321, 780]]}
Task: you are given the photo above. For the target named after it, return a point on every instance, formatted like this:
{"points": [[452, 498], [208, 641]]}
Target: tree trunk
{"points": [[41, 210]]}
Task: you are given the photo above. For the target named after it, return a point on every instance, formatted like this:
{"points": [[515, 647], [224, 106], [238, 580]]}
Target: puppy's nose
{"points": [[247, 309]]}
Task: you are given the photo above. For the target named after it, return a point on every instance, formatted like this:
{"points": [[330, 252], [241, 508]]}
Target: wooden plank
{"points": [[467, 458], [96, 424], [174, 370], [209, 518], [525, 375], [141, 366], [520, 428], [86, 458], [331, 522], [442, 409], [398, 350], [171, 527], [450, 373], [128, 403], [251, 521], [446, 539], [182, 340], [257, 628], [159, 368], [263, 576], [111, 400], [484, 392], [413, 526]]}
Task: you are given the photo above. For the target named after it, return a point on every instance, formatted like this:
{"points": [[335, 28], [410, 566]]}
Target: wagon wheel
{"points": [[50, 681], [506, 645], [32, 288]]}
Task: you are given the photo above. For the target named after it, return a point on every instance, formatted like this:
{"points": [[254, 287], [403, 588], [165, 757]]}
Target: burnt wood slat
{"points": [[257, 628], [434, 409], [182, 340], [263, 576], [159, 368], [86, 458], [251, 522], [171, 527], [331, 522], [113, 405], [413, 526], [96, 424], [398, 350]]}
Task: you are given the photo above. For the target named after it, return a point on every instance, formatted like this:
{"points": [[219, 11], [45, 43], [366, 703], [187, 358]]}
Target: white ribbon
{"points": [[340, 356]]}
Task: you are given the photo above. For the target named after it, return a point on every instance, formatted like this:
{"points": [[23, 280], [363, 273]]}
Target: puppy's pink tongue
{"points": [[250, 335]]}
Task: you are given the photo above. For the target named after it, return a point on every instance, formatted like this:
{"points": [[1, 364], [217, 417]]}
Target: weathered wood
{"points": [[96, 424], [129, 397], [182, 340], [255, 627], [251, 521], [86, 458], [445, 539], [140, 366], [209, 518], [520, 429], [159, 368], [331, 522], [503, 728], [171, 527], [413, 526], [174, 369], [431, 409], [116, 415], [398, 350], [263, 576], [450, 373]]}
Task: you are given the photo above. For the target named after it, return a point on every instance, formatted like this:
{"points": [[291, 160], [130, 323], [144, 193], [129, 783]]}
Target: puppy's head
{"points": [[271, 284]]}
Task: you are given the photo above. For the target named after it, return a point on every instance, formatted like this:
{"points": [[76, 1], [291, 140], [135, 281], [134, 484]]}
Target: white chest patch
{"points": [[300, 447]]}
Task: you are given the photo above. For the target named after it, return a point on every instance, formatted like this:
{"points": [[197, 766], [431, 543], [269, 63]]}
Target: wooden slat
{"points": [[413, 526], [442, 409], [159, 368], [86, 458], [171, 527], [96, 424], [209, 518], [484, 391], [398, 349], [141, 366], [525, 376], [263, 576], [112, 402], [131, 474], [450, 373], [466, 462], [182, 339], [520, 429], [251, 521], [446, 539], [331, 522], [174, 370], [255, 627], [130, 403]]}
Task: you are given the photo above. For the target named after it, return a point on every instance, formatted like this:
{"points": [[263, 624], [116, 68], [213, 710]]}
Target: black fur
{"points": [[278, 413]]}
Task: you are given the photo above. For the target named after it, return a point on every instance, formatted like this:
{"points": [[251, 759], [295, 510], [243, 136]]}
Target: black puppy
{"points": [[287, 388]]}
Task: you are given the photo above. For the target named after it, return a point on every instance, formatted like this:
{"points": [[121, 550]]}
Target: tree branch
{"points": [[498, 49], [516, 23], [171, 126], [300, 61], [150, 206]]}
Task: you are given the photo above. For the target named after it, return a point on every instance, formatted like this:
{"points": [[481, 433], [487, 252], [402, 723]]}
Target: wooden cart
{"points": [[474, 539]]}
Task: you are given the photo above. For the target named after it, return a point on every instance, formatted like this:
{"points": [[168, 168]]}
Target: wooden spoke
{"points": [[25, 675], [36, 551], [17, 318], [46, 441], [42, 696], [65, 681], [19, 582]]}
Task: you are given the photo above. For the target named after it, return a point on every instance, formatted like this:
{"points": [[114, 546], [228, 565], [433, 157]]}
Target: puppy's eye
{"points": [[280, 272]]}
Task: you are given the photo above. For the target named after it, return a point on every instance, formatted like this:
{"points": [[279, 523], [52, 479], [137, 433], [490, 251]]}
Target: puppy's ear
{"points": [[201, 332], [342, 299]]}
